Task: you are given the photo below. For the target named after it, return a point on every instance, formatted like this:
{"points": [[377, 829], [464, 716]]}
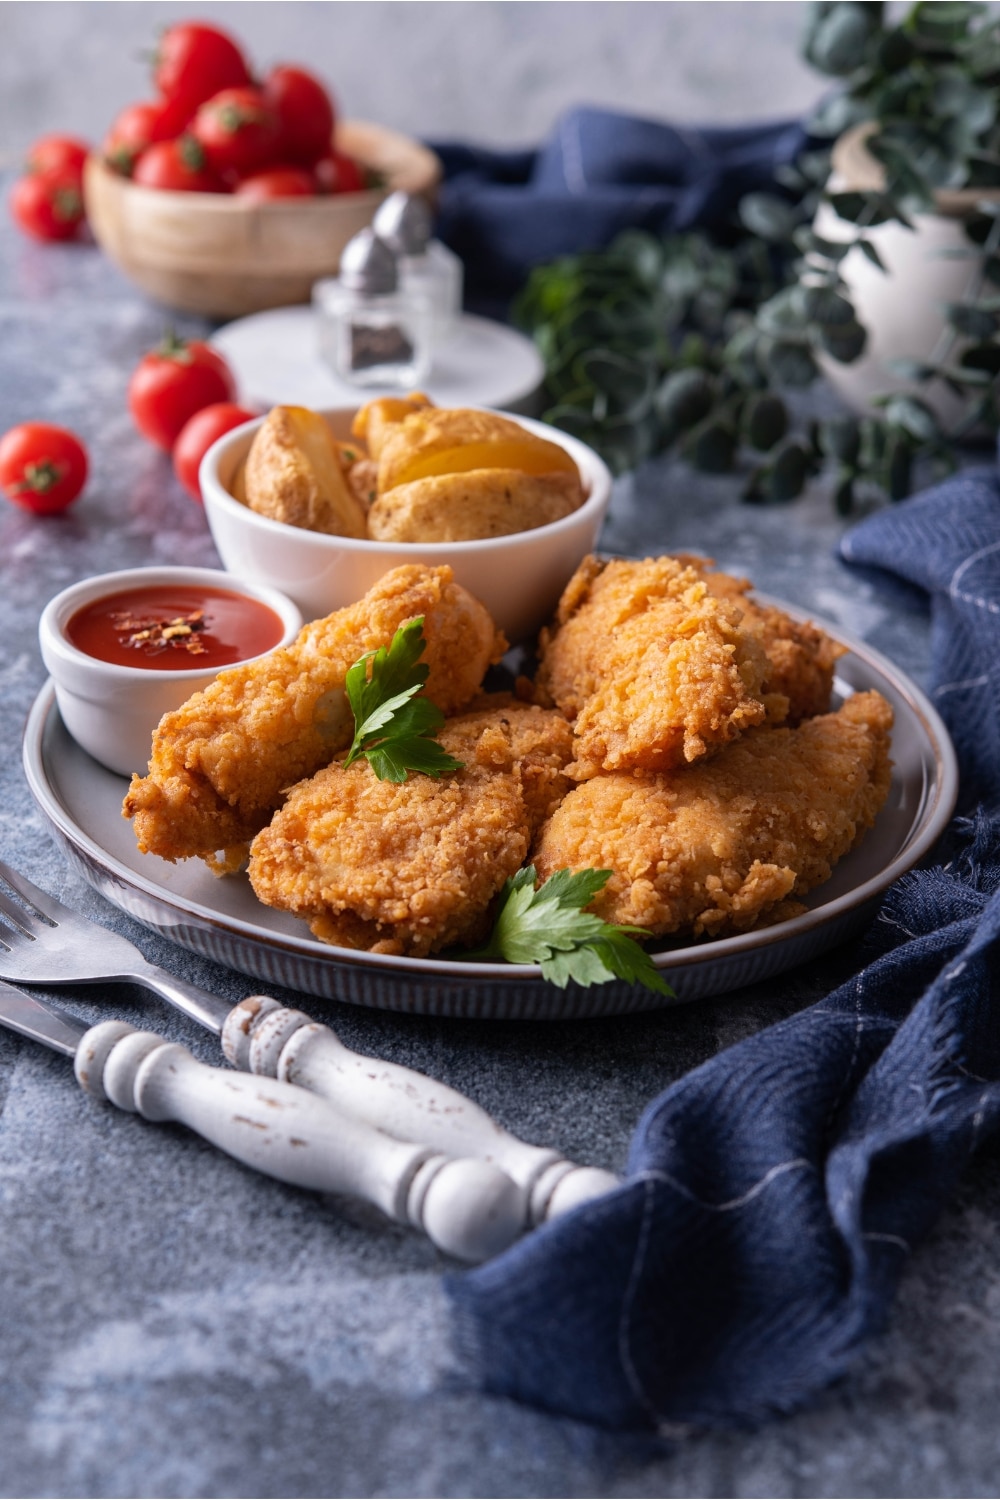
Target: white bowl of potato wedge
{"points": [[322, 504]]}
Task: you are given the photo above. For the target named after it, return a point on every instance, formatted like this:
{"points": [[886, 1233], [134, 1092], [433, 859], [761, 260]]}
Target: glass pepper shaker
{"points": [[426, 266], [372, 331]]}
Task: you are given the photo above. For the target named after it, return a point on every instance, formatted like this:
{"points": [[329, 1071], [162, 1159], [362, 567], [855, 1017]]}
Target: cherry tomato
{"points": [[57, 153], [197, 436], [139, 126], [304, 112], [337, 173], [42, 468], [277, 182], [48, 205], [194, 61], [171, 383], [237, 129], [177, 167]]}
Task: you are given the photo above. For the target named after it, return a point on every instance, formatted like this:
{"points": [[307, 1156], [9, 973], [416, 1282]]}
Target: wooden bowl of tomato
{"points": [[225, 254]]}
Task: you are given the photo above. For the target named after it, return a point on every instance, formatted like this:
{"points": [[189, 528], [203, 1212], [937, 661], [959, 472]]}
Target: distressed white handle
{"points": [[261, 1036], [469, 1209]]}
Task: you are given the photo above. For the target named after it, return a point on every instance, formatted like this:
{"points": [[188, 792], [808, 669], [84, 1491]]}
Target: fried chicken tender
{"points": [[731, 843], [413, 867], [654, 669], [801, 657], [221, 763]]}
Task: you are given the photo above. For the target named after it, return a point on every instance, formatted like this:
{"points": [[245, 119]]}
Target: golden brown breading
{"points": [[413, 867], [720, 847], [220, 764], [654, 669], [801, 656]]}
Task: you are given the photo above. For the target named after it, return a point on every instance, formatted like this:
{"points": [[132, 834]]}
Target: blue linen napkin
{"points": [[598, 173], [774, 1194]]}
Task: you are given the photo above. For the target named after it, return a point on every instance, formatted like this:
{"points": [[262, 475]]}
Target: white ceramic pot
{"points": [[900, 308]]}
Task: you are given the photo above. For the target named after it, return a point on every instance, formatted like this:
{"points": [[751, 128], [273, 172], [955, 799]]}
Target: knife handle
{"points": [[470, 1209], [263, 1037]]}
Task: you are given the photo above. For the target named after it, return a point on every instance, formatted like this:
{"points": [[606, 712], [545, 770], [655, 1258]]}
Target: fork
{"points": [[42, 941]]}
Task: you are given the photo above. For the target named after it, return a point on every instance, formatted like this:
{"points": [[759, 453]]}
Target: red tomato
{"points": [[57, 153], [197, 436], [304, 111], [194, 61], [48, 205], [237, 130], [171, 383], [139, 126], [277, 182], [337, 173], [177, 167], [42, 468]]}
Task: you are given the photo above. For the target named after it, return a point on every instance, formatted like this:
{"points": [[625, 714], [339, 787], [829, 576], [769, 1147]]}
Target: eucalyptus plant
{"points": [[694, 344]]}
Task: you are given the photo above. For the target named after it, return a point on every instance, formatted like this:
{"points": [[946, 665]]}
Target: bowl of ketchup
{"points": [[125, 648]]}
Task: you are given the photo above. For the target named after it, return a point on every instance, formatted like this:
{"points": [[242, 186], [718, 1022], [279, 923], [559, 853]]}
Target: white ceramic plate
{"points": [[222, 919], [275, 359]]}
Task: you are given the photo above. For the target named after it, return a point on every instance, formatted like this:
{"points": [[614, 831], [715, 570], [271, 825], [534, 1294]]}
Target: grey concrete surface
{"points": [[172, 1324], [497, 73]]}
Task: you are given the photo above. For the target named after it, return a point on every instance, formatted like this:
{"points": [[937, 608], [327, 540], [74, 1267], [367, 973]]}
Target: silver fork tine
{"points": [[40, 900], [23, 922]]}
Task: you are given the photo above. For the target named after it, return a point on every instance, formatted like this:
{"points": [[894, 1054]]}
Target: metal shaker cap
{"points": [[404, 221], [368, 264]]}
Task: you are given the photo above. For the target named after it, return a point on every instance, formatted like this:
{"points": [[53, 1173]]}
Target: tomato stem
{"points": [[38, 478]]}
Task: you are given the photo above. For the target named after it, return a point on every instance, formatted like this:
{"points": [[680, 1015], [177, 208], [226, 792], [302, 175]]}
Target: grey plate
{"points": [[222, 919]]}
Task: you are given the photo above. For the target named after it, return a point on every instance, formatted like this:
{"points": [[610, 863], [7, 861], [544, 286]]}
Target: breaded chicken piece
{"points": [[413, 867], [801, 657], [652, 667], [723, 846], [221, 763]]}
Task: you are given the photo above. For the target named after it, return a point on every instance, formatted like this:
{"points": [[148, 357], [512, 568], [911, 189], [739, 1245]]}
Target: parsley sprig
{"points": [[394, 728], [548, 926]]}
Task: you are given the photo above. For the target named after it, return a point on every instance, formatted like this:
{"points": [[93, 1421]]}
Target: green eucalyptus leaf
{"points": [[711, 446], [899, 467], [844, 342], [823, 305], [970, 321], [788, 472], [981, 357], [684, 398], [787, 363], [868, 249], [764, 421], [914, 417], [768, 216], [838, 40], [843, 495], [840, 438], [911, 369]]}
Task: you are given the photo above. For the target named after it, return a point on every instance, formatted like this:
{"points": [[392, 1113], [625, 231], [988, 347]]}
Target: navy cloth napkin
{"points": [[774, 1194], [598, 173]]}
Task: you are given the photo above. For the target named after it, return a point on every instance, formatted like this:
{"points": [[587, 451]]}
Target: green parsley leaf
{"points": [[393, 728], [549, 927]]}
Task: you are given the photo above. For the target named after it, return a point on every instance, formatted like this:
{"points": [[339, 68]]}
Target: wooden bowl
{"points": [[215, 254]]}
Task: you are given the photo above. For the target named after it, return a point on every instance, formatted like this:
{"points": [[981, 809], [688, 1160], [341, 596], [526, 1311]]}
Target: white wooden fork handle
{"points": [[469, 1209], [262, 1036]]}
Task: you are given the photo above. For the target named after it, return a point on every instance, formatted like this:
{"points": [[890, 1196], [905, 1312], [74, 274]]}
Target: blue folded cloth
{"points": [[599, 172], [774, 1193]]}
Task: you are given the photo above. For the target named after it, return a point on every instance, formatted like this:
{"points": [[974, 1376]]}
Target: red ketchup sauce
{"points": [[170, 628]]}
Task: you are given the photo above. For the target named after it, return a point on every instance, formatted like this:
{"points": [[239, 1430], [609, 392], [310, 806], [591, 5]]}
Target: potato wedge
{"points": [[438, 441], [294, 474], [376, 419], [468, 507]]}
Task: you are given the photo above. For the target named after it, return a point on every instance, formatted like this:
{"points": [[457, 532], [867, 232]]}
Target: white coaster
{"points": [[275, 358]]}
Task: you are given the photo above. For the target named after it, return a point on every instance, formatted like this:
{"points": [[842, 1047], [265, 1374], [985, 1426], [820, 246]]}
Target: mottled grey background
{"points": [[490, 72], [174, 1324]]}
